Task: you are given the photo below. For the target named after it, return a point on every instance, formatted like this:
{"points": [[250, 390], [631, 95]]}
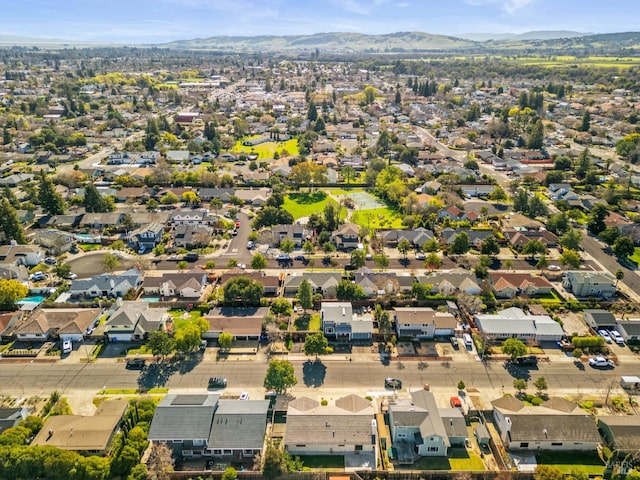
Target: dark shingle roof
{"points": [[189, 418], [239, 424]]}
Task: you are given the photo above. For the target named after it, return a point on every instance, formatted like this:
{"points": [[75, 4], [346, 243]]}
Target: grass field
{"points": [[266, 150], [304, 204], [377, 218], [636, 256], [307, 323], [459, 459], [179, 320], [324, 461], [569, 462]]}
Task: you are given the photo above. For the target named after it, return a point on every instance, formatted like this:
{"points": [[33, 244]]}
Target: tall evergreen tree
{"points": [[50, 200], [94, 202], [312, 114], [10, 225], [9, 195]]}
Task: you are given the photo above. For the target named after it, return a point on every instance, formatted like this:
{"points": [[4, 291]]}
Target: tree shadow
{"points": [[405, 262], [313, 373], [158, 373], [517, 371]]}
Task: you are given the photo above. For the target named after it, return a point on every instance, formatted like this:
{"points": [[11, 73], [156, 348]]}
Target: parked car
{"points": [[142, 249], [50, 261], [300, 258], [136, 364], [217, 382], [393, 383], [67, 346], [601, 362], [191, 257], [173, 258], [38, 276], [605, 334], [71, 276], [454, 342], [283, 257], [554, 268], [616, 337], [456, 403], [250, 245], [421, 256], [527, 360]]}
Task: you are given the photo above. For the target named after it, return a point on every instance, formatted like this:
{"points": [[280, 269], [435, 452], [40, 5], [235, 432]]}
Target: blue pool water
{"points": [[32, 299], [151, 299]]}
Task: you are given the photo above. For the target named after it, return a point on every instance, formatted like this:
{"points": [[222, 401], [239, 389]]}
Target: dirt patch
{"points": [[90, 264], [573, 323]]}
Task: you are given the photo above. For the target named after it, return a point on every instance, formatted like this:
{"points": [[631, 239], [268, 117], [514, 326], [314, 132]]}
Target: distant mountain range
{"points": [[540, 42], [533, 35]]}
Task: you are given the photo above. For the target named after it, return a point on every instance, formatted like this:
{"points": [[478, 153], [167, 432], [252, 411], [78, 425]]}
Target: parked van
{"points": [[67, 346], [468, 341]]}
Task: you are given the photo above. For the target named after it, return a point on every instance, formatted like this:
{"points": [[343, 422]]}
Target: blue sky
{"points": [[153, 21]]}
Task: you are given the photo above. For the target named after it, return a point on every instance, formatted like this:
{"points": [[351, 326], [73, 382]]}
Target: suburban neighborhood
{"points": [[300, 265]]}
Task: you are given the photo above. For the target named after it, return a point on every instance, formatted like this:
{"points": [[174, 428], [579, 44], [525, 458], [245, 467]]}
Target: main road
{"points": [[25, 379]]}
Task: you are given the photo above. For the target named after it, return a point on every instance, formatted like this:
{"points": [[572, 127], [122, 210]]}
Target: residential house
{"points": [[376, 283], [63, 222], [340, 323], [200, 216], [238, 430], [590, 284], [241, 323], [14, 272], [476, 237], [629, 329], [598, 318], [8, 323], [185, 284], [59, 323], [621, 433], [519, 238], [561, 191], [148, 236], [133, 321], [56, 242], [556, 425], [100, 221], [510, 285], [455, 426], [207, 194], [271, 283], [321, 282], [132, 194], [16, 179], [346, 428], [416, 428], [255, 197], [85, 434], [107, 284], [347, 236], [449, 283], [417, 237], [454, 213], [192, 236], [177, 156], [515, 323], [423, 322], [298, 234], [476, 189], [12, 416], [183, 423], [28, 255]]}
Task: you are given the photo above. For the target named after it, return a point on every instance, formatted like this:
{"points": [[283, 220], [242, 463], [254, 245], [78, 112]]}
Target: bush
{"points": [[536, 402], [324, 402]]}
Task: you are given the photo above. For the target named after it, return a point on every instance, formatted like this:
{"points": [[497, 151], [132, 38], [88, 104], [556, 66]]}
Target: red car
{"points": [[455, 402], [237, 224]]}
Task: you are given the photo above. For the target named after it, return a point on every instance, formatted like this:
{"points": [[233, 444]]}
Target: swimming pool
{"points": [[151, 299], [31, 299]]}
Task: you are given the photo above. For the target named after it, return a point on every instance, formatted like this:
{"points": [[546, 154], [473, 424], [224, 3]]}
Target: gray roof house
{"points": [[238, 429], [298, 234], [629, 329], [107, 284], [55, 241], [321, 282], [621, 433], [598, 318], [417, 428], [515, 323], [449, 283], [339, 322], [133, 321], [346, 427], [347, 236], [183, 422], [556, 425], [590, 284], [189, 284], [11, 417], [417, 237]]}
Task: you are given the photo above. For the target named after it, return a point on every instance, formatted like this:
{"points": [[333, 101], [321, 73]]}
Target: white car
{"points": [[67, 346], [421, 256], [555, 268], [605, 334], [616, 337], [601, 362]]}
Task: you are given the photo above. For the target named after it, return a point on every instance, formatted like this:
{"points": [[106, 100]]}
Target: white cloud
{"points": [[509, 6], [359, 7]]}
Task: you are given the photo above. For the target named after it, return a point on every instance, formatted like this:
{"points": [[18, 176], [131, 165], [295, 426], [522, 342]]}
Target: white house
{"points": [[133, 321], [423, 322], [107, 284], [515, 323]]}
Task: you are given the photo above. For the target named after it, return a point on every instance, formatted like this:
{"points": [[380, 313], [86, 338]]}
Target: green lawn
{"points": [[635, 258], [304, 204], [307, 323], [345, 191], [458, 459], [377, 218], [573, 461], [324, 461], [266, 150], [179, 321]]}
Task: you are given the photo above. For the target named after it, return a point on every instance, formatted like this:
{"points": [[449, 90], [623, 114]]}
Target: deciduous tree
{"points": [[514, 347], [316, 344], [280, 376]]}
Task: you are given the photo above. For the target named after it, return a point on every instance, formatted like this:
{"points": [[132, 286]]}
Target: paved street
{"points": [[631, 279], [324, 378]]}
